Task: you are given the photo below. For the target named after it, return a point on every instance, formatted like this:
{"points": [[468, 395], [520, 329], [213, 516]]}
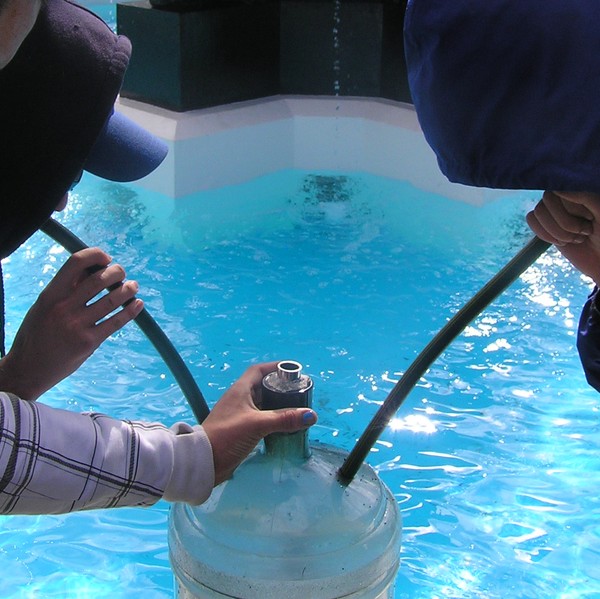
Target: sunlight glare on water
{"points": [[494, 458]]}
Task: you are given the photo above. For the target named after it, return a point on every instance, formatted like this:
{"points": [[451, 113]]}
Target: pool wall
{"points": [[228, 145], [335, 99]]}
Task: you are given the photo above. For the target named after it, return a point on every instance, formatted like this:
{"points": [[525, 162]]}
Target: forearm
{"points": [[55, 461], [588, 340]]}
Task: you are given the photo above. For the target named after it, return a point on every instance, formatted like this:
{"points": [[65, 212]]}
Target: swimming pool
{"points": [[493, 458]]}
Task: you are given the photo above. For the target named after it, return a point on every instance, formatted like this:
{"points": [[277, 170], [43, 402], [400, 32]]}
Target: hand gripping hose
{"points": [[153, 332], [494, 287]]}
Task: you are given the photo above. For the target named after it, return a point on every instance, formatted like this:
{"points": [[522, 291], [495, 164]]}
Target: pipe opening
{"points": [[289, 370]]}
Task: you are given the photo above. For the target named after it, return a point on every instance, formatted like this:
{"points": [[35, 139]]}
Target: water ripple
{"points": [[494, 457]]}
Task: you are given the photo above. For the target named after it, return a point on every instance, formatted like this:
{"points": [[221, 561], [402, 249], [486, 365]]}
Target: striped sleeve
{"points": [[56, 461]]}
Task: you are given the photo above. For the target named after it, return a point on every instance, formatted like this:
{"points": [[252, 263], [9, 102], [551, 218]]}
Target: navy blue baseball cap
{"points": [[57, 118], [124, 151], [506, 91]]}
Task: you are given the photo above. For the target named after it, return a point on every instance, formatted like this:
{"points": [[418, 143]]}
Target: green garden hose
{"points": [[153, 332], [492, 289]]}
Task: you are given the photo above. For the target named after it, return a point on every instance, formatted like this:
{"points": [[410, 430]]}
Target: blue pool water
{"points": [[494, 458]]}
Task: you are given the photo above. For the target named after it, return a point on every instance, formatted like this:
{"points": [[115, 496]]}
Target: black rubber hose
{"points": [[494, 287], [153, 332]]}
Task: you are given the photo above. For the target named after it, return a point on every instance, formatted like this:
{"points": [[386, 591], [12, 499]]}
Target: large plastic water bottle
{"points": [[283, 526]]}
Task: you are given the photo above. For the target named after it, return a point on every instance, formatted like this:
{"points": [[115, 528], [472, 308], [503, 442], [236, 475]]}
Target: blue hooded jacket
{"points": [[507, 93]]}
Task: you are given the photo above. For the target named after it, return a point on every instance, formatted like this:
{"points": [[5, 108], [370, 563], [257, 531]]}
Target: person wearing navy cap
{"points": [[506, 95], [61, 69]]}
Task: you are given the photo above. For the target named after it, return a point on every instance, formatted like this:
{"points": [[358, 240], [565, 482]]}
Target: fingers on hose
{"points": [[112, 300], [119, 319], [574, 217], [550, 221], [87, 258], [573, 220], [76, 268], [537, 228], [582, 203], [108, 277]]}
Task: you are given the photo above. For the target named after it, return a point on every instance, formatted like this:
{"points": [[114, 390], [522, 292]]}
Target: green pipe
{"points": [[494, 287], [153, 332]]}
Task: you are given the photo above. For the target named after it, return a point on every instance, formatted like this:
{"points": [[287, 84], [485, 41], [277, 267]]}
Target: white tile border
{"points": [[228, 145]]}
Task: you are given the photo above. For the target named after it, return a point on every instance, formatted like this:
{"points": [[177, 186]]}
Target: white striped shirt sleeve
{"points": [[57, 461]]}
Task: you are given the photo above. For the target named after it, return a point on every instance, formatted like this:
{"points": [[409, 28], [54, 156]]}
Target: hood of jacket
{"points": [[506, 90]]}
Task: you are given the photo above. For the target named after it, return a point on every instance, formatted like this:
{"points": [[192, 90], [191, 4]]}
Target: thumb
{"points": [[287, 420]]}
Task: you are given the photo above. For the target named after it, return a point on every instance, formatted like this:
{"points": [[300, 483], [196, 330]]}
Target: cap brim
{"points": [[124, 151]]}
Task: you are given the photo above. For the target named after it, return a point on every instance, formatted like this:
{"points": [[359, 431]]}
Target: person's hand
{"points": [[571, 221], [68, 322], [235, 425]]}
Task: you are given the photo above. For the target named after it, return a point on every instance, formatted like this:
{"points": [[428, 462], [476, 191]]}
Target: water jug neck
{"points": [[287, 387], [288, 446]]}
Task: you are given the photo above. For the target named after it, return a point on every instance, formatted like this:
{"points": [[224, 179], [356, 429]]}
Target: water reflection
{"points": [[494, 456]]}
